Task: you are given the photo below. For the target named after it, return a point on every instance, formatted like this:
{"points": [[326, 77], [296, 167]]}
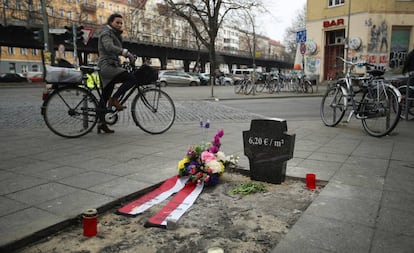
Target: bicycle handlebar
{"points": [[355, 63]]}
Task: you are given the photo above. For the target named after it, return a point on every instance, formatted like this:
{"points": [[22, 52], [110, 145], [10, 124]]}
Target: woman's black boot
{"points": [[105, 129]]}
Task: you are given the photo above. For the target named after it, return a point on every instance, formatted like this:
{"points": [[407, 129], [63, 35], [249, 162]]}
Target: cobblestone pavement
{"points": [[28, 115]]}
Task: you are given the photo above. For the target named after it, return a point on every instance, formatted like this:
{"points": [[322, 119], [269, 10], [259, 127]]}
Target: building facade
{"points": [[380, 32]]}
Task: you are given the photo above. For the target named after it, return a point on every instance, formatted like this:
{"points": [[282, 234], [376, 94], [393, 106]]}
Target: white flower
{"points": [[220, 156], [215, 166]]}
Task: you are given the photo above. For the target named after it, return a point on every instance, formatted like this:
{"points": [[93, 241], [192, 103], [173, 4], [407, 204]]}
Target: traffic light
{"points": [[38, 35], [79, 34], [69, 35]]}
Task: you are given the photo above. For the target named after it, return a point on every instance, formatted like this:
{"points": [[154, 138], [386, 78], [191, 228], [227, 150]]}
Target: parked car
{"points": [[203, 80], [35, 77], [175, 77], [12, 78], [223, 80]]}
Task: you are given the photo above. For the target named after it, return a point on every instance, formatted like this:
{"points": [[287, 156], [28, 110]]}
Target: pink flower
{"points": [[207, 156], [220, 133]]}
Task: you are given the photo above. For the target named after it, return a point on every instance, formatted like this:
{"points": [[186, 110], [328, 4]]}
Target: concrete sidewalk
{"points": [[367, 205]]}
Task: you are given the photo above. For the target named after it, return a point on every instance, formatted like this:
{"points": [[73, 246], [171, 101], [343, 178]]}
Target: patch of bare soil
{"points": [[234, 223]]}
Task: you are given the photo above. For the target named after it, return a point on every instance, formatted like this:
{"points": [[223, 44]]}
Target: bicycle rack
{"points": [[407, 91]]}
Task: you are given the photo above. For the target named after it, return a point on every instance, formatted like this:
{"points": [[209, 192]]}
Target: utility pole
{"points": [[45, 26], [347, 35]]}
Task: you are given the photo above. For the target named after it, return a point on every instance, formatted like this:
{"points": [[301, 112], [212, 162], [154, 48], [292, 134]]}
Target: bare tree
{"points": [[205, 18], [298, 23]]}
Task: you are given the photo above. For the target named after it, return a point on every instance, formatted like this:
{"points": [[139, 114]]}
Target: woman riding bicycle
{"points": [[111, 72]]}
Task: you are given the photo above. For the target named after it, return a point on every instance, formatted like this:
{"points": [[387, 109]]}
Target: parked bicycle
{"points": [[244, 86], [377, 104], [270, 84], [72, 109], [301, 85]]}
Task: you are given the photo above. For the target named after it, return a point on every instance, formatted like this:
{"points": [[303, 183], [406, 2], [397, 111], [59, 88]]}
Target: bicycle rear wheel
{"points": [[238, 87], [261, 86], [404, 114], [308, 86], [70, 111], [380, 111], [248, 88], [272, 86], [333, 106], [153, 111]]}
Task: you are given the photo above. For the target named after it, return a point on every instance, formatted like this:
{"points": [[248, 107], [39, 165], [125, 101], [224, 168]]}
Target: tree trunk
{"points": [[213, 67]]}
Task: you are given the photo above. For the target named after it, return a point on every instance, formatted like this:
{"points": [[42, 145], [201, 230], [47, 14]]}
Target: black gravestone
{"points": [[268, 147]]}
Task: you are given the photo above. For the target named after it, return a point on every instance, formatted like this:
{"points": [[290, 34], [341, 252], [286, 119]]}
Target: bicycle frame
{"points": [[373, 85]]}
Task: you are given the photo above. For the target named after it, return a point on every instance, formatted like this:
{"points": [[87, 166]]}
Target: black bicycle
{"points": [[72, 109]]}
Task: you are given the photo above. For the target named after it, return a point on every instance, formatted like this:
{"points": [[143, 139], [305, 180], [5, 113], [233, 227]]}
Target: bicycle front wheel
{"points": [[380, 111], [333, 106], [70, 111], [153, 111]]}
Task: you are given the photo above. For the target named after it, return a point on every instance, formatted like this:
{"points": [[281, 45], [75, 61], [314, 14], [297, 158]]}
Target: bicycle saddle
{"points": [[89, 69]]}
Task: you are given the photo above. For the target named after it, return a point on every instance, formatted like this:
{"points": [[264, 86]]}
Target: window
{"points": [[19, 5], [69, 15], [34, 52], [35, 68], [50, 11], [24, 69], [23, 51], [61, 13], [10, 50], [12, 67], [334, 3]]}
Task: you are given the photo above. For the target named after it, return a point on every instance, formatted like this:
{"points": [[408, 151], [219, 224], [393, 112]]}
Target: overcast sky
{"points": [[282, 14]]}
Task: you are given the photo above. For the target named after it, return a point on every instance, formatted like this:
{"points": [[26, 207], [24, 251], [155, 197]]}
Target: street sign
{"points": [[302, 48], [87, 34], [301, 36]]}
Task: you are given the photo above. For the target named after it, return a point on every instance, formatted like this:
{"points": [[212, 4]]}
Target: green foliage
{"points": [[248, 188]]}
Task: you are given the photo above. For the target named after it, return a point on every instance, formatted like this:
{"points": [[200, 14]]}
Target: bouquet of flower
{"points": [[204, 162]]}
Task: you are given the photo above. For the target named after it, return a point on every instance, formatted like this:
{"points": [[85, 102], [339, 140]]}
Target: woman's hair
{"points": [[112, 17]]}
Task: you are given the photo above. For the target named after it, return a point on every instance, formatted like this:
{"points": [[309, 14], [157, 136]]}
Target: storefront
{"points": [[383, 39]]}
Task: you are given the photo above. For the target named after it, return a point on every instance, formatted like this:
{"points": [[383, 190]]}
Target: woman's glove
{"points": [[131, 57]]}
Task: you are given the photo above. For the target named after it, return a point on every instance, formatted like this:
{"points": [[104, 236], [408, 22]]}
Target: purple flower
{"points": [[213, 149]]}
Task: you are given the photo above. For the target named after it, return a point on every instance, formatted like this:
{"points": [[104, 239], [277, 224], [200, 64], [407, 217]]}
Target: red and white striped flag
{"points": [[165, 190], [181, 202]]}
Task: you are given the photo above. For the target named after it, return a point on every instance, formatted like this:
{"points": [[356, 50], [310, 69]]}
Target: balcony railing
{"points": [[88, 7]]}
